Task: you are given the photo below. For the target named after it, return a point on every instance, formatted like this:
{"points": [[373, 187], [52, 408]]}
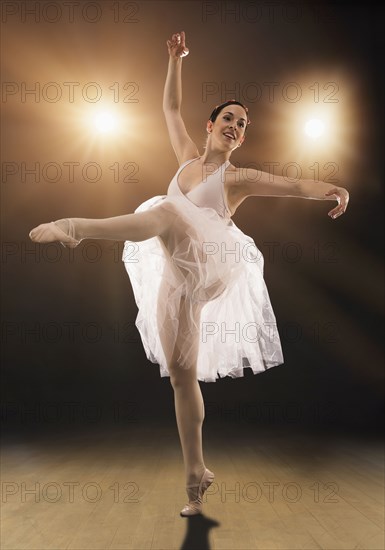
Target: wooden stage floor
{"points": [[122, 488]]}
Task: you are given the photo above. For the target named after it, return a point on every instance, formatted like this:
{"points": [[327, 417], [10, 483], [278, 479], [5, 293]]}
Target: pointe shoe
{"points": [[194, 507], [50, 232]]}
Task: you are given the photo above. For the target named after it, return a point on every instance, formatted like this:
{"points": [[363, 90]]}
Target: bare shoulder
{"points": [[237, 178], [235, 187]]}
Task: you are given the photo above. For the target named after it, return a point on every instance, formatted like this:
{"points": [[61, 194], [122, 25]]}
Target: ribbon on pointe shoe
{"points": [[72, 243], [50, 232], [194, 507]]}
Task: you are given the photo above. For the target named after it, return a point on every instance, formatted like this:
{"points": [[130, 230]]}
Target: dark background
{"points": [[71, 355]]}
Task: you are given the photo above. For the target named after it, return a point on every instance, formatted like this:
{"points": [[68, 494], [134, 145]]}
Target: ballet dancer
{"points": [[191, 267]]}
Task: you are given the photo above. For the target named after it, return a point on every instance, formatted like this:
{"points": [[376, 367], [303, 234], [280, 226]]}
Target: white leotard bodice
{"points": [[208, 193]]}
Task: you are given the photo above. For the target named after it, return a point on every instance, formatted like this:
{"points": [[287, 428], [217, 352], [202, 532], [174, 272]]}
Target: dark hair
{"points": [[219, 108]]}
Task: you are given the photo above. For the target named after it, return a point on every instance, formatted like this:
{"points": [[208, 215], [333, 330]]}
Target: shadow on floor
{"points": [[197, 535]]}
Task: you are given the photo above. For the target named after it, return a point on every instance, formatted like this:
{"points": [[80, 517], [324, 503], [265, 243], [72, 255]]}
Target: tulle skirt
{"points": [[201, 295]]}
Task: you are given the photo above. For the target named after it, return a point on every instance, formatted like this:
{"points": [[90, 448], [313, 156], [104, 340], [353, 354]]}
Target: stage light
{"points": [[105, 122], [314, 128]]}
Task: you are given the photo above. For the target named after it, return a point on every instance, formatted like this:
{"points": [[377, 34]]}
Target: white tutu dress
{"points": [[208, 265]]}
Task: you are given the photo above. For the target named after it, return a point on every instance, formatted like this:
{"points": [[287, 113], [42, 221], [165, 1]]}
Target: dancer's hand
{"points": [[342, 196], [177, 45]]}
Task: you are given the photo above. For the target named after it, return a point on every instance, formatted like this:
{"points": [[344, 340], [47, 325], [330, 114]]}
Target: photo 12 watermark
{"points": [[261, 12], [72, 492], [70, 413], [70, 11], [271, 491], [269, 91], [68, 92]]}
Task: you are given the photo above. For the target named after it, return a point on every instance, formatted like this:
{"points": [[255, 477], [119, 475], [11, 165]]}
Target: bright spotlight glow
{"points": [[314, 128], [105, 122], [103, 126]]}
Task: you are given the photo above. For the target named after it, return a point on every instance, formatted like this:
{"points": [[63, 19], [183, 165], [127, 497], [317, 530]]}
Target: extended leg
{"points": [[136, 227]]}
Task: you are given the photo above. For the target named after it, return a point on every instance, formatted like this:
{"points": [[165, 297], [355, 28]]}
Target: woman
{"points": [[204, 308]]}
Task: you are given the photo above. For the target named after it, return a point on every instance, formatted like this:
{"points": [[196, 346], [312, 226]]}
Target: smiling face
{"points": [[228, 130]]}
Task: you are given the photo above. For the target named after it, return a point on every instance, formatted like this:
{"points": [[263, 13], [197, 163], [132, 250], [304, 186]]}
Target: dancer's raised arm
{"points": [[183, 145]]}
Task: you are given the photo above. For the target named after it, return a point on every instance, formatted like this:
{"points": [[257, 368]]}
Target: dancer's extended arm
{"points": [[183, 145], [256, 183]]}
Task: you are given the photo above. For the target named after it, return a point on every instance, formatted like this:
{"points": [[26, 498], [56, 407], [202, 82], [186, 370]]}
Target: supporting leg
{"points": [[190, 413], [189, 405]]}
